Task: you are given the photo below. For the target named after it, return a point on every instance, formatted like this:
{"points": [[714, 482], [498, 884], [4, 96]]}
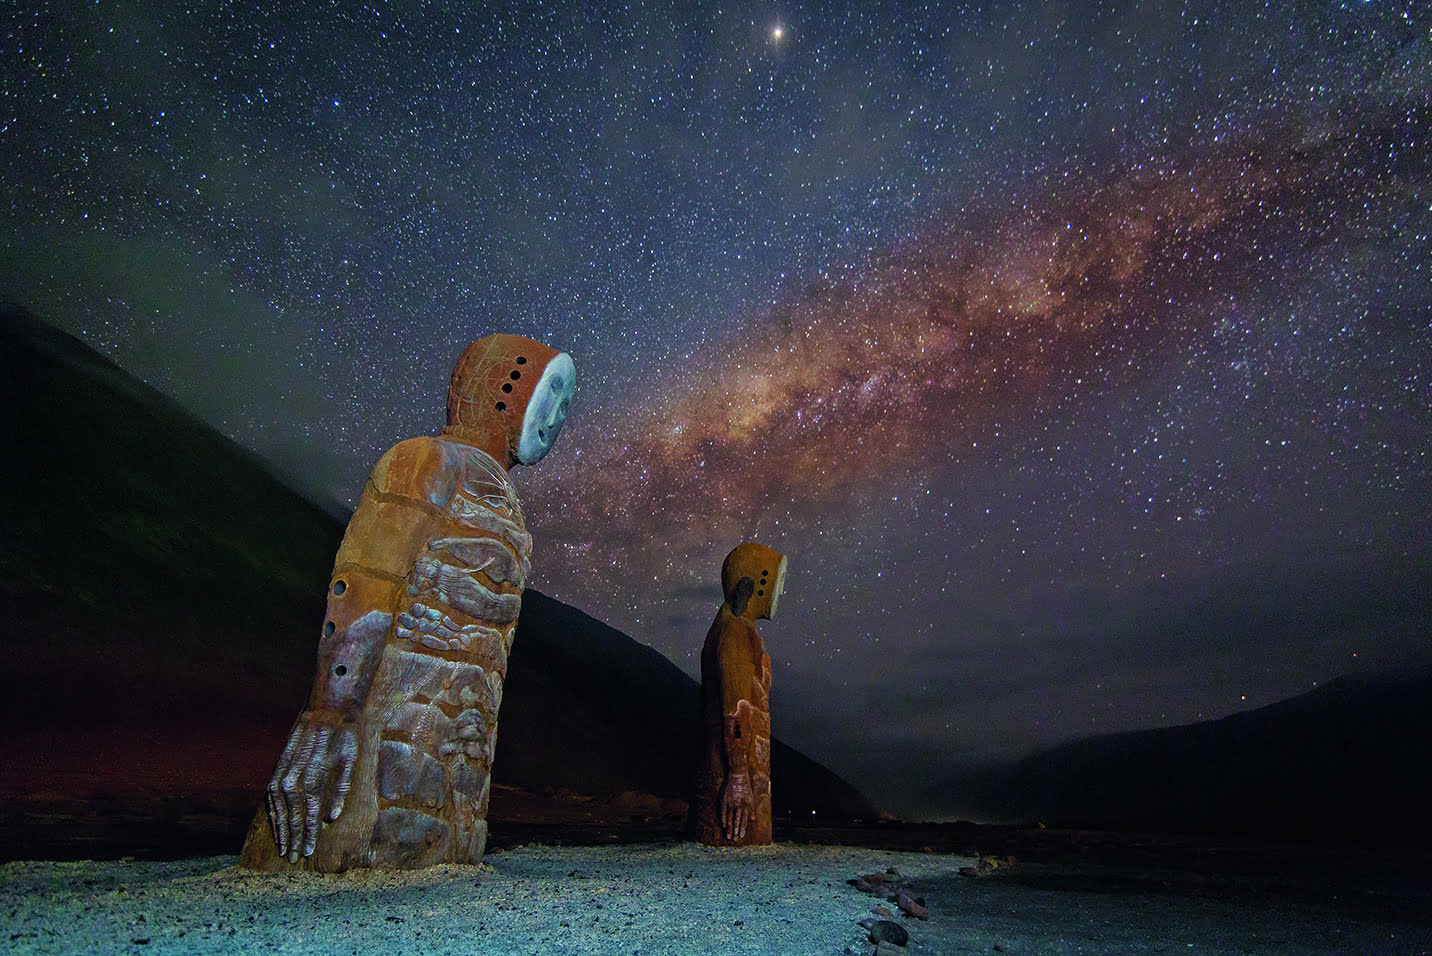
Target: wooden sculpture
{"points": [[733, 786], [390, 763]]}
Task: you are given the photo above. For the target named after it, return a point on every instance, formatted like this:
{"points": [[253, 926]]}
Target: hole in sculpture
{"points": [[761, 592], [340, 670], [521, 360], [516, 374], [329, 628], [507, 386], [502, 406], [339, 587]]}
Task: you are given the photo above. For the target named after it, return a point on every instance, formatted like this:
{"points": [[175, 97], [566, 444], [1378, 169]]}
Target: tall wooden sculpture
{"points": [[390, 763], [733, 787]]}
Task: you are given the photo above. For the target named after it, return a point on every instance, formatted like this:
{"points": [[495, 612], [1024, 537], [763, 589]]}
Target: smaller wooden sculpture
{"points": [[733, 787]]}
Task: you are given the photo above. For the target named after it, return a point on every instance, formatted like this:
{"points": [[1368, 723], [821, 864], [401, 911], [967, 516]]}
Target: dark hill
{"points": [[161, 591], [1351, 760]]}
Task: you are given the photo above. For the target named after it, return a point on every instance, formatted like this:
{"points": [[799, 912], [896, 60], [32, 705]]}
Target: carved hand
{"points": [[311, 781], [737, 806]]}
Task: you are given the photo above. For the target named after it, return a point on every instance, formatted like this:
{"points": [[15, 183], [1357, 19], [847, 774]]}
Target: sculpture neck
{"points": [[490, 438], [747, 614]]}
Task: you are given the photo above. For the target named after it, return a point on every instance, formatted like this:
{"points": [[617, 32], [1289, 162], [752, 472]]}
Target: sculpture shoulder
{"points": [[426, 469], [736, 637]]}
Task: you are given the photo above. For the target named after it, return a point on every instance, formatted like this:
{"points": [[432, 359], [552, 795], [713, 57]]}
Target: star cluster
{"points": [[1076, 354]]}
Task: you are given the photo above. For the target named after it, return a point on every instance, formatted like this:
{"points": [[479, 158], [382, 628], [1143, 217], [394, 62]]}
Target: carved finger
{"points": [[277, 819], [295, 830], [345, 780], [292, 795], [294, 807], [315, 789], [314, 771], [313, 805], [278, 806]]}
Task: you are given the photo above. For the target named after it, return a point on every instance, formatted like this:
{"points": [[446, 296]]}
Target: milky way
{"points": [[889, 368], [1077, 356], [884, 369]]}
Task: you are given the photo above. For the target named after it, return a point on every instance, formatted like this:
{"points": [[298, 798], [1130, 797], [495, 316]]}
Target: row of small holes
{"points": [[338, 588], [507, 386]]}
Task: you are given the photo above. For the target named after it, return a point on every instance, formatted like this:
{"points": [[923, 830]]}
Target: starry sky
{"points": [[1078, 355]]}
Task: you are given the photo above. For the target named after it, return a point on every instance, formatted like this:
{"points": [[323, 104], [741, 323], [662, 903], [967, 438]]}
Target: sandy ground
{"points": [[660, 898]]}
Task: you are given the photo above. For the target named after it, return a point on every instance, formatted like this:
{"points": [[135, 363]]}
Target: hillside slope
{"points": [[1349, 760]]}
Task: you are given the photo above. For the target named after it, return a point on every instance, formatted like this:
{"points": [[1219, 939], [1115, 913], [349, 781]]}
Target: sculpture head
{"points": [[752, 578], [509, 396]]}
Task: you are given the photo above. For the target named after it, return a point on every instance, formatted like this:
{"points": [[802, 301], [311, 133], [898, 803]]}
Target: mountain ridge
{"points": [[1345, 760]]}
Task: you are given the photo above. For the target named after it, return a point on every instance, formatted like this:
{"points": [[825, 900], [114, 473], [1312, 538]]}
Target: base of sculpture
{"points": [[261, 853]]}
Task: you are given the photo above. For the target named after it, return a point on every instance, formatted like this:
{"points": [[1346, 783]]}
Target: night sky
{"points": [[1079, 355]]}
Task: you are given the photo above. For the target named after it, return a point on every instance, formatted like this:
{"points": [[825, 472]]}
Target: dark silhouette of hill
{"points": [[161, 591], [151, 569], [1349, 760]]}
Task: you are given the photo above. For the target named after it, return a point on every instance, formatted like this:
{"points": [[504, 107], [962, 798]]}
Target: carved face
{"points": [[547, 409], [765, 568], [511, 393], [779, 587]]}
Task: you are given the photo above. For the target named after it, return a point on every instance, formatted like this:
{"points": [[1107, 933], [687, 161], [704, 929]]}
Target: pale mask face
{"points": [[778, 587], [547, 409]]}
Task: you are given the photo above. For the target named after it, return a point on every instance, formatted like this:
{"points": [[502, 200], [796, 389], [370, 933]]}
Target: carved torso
{"points": [[444, 624], [437, 693]]}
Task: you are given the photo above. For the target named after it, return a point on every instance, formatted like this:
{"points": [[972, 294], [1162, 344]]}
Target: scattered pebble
{"points": [[890, 886], [886, 931], [911, 906], [985, 865]]}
